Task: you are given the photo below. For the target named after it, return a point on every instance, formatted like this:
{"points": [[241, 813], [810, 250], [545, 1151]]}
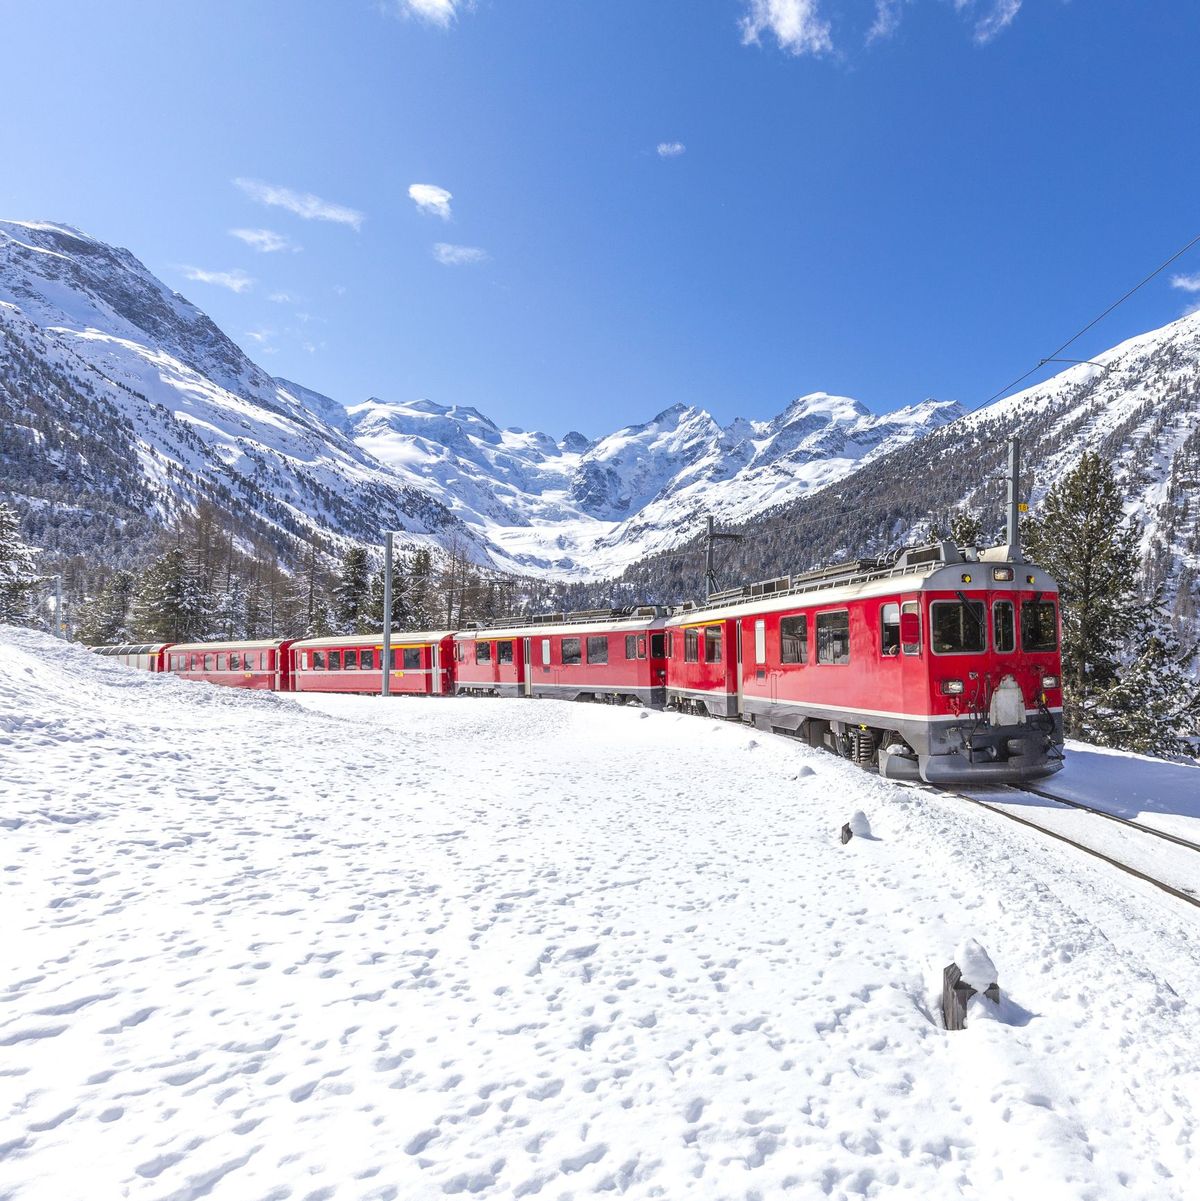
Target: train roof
{"points": [[638, 617], [937, 566], [130, 648], [399, 638], [237, 644]]}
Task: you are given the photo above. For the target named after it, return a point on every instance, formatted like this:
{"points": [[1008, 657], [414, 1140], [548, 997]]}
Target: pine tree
{"points": [[170, 604], [18, 579], [352, 592], [104, 620], [1082, 538], [420, 590], [1154, 707], [400, 614], [965, 528]]}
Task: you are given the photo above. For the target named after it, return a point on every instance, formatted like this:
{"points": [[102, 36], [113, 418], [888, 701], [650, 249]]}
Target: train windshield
{"points": [[957, 627], [1039, 626]]}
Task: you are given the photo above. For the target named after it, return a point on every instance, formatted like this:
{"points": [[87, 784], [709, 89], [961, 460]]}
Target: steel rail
{"points": [[1178, 893]]}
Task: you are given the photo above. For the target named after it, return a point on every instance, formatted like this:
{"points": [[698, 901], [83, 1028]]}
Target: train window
{"points": [[266, 660], [504, 651], [631, 646], [1004, 631], [691, 646], [760, 641], [712, 644], [597, 649], [957, 628], [1039, 627], [910, 627], [571, 652], [366, 659], [304, 660], [833, 637], [350, 660], [671, 645], [412, 658], [793, 639], [545, 652], [208, 662], [220, 662], [658, 646], [483, 652], [889, 629], [318, 660], [197, 662], [335, 660]]}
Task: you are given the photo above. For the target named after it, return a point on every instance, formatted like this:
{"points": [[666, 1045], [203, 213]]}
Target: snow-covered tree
{"points": [[965, 528], [1154, 707], [170, 604], [399, 600], [1082, 537], [104, 619], [352, 592], [19, 581]]}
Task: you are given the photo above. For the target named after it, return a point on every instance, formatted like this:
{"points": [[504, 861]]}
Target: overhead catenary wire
{"points": [[1053, 355]]}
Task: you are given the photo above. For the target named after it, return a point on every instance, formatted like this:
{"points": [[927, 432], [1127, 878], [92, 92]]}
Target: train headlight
{"points": [[1050, 681], [952, 687], [1002, 573]]}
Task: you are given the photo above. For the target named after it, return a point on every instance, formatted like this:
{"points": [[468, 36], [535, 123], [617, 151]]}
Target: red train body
{"points": [[937, 664], [260, 664], [614, 655], [422, 664]]}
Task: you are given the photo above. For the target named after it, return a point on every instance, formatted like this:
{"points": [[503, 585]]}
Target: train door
{"points": [[738, 662], [913, 692], [528, 656]]}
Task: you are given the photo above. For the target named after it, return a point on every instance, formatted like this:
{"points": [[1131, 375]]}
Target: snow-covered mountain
{"points": [[121, 402], [1138, 404], [594, 507]]}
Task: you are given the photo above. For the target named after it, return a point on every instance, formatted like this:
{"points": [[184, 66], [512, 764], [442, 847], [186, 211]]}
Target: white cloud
{"points": [[235, 281], [887, 19], [999, 18], [303, 204], [435, 12], [429, 198], [450, 255], [670, 149], [796, 24], [265, 241], [1186, 283], [282, 298]]}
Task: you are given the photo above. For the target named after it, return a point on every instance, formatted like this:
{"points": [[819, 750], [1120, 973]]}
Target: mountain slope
{"points": [[1140, 408], [111, 380]]}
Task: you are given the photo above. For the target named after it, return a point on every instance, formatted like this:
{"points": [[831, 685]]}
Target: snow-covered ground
{"points": [[366, 949]]}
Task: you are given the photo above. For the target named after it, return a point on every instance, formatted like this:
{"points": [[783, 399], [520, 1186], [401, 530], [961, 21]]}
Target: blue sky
{"points": [[889, 199]]}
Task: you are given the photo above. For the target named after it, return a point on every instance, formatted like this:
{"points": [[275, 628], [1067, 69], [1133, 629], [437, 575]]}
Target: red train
{"points": [[934, 664]]}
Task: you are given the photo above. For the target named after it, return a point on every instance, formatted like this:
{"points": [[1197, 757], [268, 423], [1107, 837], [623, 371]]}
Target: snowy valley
{"points": [[285, 974]]}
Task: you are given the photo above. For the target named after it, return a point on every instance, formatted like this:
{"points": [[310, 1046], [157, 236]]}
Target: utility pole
{"points": [[712, 537], [387, 614], [1015, 507]]}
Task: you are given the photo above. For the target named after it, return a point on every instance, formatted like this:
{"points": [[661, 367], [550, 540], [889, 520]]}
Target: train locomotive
{"points": [[937, 663]]}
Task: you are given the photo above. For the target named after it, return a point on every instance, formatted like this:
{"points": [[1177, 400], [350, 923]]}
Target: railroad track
{"points": [[1187, 895]]}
